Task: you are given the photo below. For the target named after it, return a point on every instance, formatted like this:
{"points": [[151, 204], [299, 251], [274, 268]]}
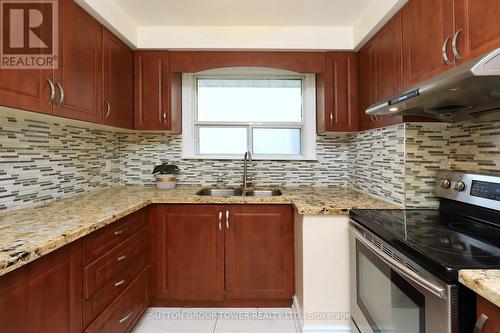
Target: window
{"points": [[270, 113]]}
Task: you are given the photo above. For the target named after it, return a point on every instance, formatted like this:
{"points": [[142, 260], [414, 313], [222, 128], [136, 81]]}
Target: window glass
{"points": [[222, 140], [277, 141]]}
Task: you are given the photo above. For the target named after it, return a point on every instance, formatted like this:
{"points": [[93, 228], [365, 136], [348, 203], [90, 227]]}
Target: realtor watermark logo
{"points": [[29, 34]]}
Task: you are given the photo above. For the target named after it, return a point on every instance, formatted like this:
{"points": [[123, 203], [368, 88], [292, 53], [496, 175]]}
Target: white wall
{"points": [[322, 272]]}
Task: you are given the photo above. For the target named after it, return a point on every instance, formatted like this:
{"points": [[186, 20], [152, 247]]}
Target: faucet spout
{"points": [[247, 158]]}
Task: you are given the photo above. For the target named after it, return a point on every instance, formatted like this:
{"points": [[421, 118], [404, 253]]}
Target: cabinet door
{"points": [[427, 24], [79, 71], [118, 85], [490, 310], [189, 256], [477, 28], [44, 296], [259, 252], [367, 84], [152, 91], [341, 93]]}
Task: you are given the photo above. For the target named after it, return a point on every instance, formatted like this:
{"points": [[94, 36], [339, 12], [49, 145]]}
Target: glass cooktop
{"points": [[441, 241]]}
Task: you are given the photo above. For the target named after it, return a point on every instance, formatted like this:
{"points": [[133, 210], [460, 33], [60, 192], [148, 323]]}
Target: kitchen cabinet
{"points": [[189, 246], [45, 295], [427, 32], [259, 252], [78, 76], [381, 72], [338, 111], [157, 92], [492, 312], [224, 255], [117, 82], [476, 28]]}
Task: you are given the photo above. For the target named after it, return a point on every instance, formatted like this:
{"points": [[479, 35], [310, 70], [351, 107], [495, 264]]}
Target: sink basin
{"points": [[236, 192], [263, 193]]}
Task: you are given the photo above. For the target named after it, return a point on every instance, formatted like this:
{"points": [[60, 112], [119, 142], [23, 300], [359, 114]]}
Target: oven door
{"points": [[394, 295]]}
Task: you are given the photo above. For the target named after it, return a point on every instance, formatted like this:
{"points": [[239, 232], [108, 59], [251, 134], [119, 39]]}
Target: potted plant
{"points": [[166, 175]]}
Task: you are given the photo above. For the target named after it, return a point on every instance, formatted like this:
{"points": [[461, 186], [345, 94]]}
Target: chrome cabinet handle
{"points": [[165, 118], [119, 232], [119, 283], [220, 220], [331, 119], [52, 91], [61, 90], [127, 316], [478, 328], [454, 46], [444, 51], [120, 258], [227, 219], [108, 109]]}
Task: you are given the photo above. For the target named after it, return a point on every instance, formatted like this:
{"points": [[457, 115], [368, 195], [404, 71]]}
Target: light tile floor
{"points": [[216, 320]]}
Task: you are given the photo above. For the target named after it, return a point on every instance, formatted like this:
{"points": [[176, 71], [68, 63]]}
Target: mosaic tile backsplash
{"points": [[42, 160]]}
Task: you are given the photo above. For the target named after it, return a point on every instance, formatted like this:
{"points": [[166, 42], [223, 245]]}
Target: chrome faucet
{"points": [[246, 180]]}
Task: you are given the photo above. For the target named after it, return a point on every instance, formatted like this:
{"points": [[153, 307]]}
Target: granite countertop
{"points": [[485, 282], [30, 233]]}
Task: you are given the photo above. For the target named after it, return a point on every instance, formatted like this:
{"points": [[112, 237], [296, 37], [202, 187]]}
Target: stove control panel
{"points": [[475, 189]]}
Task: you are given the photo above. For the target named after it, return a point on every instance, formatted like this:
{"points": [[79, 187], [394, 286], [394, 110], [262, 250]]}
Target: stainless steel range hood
{"points": [[471, 90]]}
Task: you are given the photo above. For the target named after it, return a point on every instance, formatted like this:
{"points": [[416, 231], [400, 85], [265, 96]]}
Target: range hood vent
{"points": [[469, 91]]}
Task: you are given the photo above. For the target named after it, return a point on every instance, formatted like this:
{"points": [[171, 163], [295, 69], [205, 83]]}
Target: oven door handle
{"points": [[402, 269]]}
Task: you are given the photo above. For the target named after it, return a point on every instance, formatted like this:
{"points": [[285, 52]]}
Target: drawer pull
{"points": [[120, 232], [127, 316], [478, 328], [119, 283], [120, 258]]}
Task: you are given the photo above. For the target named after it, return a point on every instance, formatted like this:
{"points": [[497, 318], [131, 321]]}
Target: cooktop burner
{"points": [[451, 242], [475, 229]]}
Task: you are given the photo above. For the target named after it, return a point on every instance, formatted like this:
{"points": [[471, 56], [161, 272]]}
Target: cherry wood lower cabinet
{"points": [[213, 255], [44, 296], [492, 312]]}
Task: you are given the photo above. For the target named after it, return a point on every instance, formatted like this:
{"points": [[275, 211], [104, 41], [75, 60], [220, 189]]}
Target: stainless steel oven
{"points": [[390, 293]]}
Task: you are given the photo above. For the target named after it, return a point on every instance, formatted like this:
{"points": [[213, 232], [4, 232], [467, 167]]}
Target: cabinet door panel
{"points": [[152, 96], [480, 31], [118, 85], [485, 307], [190, 253], [79, 71], [259, 252], [44, 296], [426, 26]]}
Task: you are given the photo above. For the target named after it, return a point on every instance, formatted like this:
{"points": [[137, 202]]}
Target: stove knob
{"points": [[445, 183], [459, 186]]}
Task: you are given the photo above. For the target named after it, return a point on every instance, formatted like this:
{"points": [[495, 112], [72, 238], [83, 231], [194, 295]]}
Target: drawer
{"points": [[122, 314], [93, 306], [103, 240], [106, 268]]}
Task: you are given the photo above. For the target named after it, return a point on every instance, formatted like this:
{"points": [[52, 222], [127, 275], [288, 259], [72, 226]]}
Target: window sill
{"points": [[254, 158]]}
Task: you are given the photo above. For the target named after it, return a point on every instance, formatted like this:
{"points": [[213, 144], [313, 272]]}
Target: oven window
{"points": [[389, 303]]}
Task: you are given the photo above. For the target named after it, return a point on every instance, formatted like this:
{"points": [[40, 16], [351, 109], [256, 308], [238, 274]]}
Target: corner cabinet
{"points": [[45, 295], [222, 255], [337, 100], [157, 92]]}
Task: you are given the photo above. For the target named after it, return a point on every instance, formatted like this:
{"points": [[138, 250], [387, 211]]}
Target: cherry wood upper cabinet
{"points": [[78, 77], [157, 92], [476, 28], [188, 242], [259, 252], [427, 28], [338, 107], [45, 295], [118, 82]]}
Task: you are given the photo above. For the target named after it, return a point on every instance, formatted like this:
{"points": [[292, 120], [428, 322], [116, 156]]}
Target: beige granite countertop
{"points": [[30, 233], [485, 282]]}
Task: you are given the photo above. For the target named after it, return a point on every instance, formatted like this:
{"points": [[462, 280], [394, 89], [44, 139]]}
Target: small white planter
{"points": [[166, 181]]}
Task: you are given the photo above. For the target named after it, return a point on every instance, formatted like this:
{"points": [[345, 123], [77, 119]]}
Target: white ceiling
{"points": [[243, 24], [245, 12]]}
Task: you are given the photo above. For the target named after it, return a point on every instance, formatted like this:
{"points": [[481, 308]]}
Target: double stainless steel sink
{"points": [[237, 192]]}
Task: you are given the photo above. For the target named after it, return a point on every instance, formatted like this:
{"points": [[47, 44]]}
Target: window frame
{"points": [[191, 124]]}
